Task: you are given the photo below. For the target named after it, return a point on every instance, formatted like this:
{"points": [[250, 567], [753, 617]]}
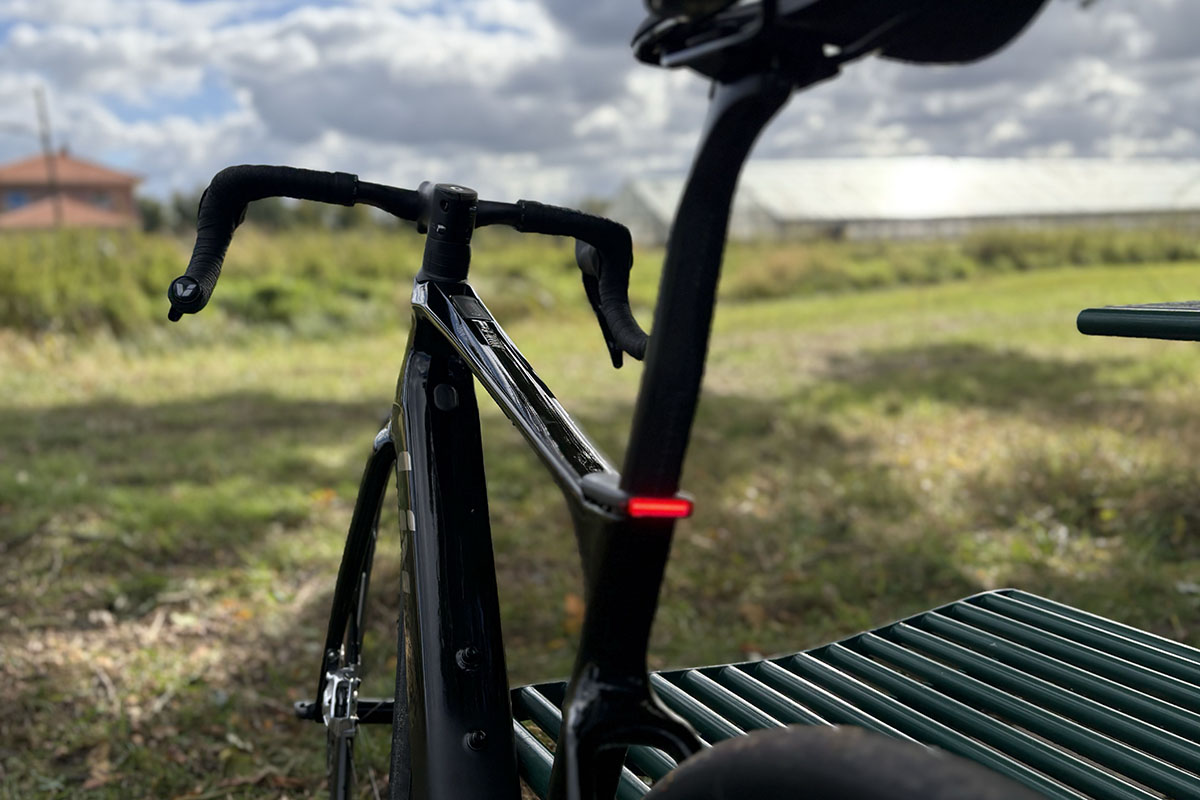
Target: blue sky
{"points": [[541, 98], [212, 99]]}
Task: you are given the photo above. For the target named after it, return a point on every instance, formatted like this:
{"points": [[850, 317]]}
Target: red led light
{"points": [[661, 507]]}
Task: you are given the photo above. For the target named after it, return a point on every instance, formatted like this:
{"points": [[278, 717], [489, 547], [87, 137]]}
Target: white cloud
{"points": [[114, 14], [527, 97], [127, 62]]}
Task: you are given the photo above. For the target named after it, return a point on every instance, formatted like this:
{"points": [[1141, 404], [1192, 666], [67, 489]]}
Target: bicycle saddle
{"points": [[686, 8], [918, 31]]}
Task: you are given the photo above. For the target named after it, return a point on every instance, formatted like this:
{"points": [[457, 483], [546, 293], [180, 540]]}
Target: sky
{"points": [[542, 99]]}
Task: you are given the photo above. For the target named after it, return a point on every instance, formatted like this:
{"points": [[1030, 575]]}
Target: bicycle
{"points": [[617, 728]]}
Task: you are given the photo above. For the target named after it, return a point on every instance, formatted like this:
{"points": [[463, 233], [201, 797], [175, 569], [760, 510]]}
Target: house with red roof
{"points": [[65, 191]]}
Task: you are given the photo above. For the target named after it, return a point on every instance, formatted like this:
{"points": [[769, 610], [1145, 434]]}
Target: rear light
{"points": [[660, 507]]}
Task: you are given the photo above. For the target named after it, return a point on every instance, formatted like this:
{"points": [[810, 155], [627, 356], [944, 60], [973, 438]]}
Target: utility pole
{"points": [[39, 96]]}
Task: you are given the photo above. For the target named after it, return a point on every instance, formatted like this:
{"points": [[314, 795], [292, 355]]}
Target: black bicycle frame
{"points": [[453, 722], [458, 718]]}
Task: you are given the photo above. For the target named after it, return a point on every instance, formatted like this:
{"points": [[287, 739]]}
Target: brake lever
{"points": [[588, 260]]}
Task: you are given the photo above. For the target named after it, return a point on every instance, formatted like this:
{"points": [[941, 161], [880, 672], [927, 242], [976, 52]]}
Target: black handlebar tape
{"points": [[615, 246], [402, 203], [222, 209]]}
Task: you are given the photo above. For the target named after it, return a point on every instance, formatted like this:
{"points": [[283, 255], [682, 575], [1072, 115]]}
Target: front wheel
{"points": [[339, 766], [356, 705], [352, 762], [819, 763], [357, 750]]}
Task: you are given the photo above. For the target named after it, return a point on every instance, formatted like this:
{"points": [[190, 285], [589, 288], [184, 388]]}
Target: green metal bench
{"points": [[1071, 704]]}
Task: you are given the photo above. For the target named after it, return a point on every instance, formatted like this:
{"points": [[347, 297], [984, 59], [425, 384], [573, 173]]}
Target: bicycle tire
{"points": [[342, 773], [339, 747], [831, 763], [339, 766], [400, 766]]}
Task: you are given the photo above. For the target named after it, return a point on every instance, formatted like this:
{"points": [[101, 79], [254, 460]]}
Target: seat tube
{"points": [[459, 713], [609, 702]]}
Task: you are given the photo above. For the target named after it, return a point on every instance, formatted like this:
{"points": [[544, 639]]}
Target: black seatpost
{"points": [[609, 702], [666, 403], [753, 77]]}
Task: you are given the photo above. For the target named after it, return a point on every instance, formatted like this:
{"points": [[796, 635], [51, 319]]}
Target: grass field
{"points": [[314, 283], [171, 518]]}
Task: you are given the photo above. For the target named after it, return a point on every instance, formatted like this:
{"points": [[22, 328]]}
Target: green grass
{"points": [[171, 517], [322, 283]]}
